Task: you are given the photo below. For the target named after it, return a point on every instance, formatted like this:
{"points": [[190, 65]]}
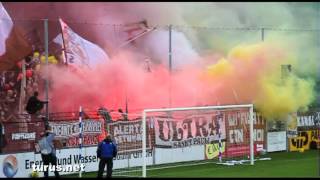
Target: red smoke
{"points": [[110, 83], [106, 85], [125, 77]]}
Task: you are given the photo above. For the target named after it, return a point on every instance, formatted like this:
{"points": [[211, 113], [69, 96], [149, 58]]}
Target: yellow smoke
{"points": [[222, 68], [255, 71], [246, 53], [278, 97]]}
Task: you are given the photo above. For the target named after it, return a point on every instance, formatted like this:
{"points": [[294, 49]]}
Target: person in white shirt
{"points": [[48, 151]]}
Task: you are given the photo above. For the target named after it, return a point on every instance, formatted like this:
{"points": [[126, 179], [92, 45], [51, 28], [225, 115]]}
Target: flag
{"points": [[135, 30], [13, 46], [6, 25], [80, 53]]}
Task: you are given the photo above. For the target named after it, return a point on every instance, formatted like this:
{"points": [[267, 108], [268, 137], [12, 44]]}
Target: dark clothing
{"points": [[102, 164], [48, 152], [2, 138], [106, 151], [50, 159], [34, 105]]}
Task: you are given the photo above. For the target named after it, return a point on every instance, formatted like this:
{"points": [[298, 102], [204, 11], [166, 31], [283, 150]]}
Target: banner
{"points": [[66, 129], [80, 53], [292, 128], [304, 139], [68, 132], [276, 141], [20, 164], [308, 120], [212, 150], [188, 131], [238, 133], [128, 135]]}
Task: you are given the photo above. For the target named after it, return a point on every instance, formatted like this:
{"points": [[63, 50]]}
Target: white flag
{"points": [[6, 25], [80, 52]]}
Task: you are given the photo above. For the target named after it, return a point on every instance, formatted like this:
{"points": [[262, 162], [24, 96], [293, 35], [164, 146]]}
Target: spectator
{"points": [[106, 151], [48, 152], [124, 115], [11, 96], [11, 100], [34, 105], [2, 139], [2, 113]]}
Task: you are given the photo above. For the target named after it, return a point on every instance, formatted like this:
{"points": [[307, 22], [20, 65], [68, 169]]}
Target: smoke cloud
{"points": [[221, 65]]}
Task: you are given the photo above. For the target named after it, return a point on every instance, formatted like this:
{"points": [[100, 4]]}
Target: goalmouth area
{"points": [[282, 164]]}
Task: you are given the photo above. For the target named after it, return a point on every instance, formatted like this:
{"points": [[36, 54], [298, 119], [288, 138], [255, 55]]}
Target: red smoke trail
{"points": [[110, 83]]}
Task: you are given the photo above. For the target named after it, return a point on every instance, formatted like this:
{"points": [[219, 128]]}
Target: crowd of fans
{"points": [[12, 87]]}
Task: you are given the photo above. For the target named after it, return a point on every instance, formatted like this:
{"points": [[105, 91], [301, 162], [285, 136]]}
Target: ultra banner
{"points": [[190, 130]]}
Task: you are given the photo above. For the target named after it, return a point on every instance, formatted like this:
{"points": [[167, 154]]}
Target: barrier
{"points": [[304, 139]]}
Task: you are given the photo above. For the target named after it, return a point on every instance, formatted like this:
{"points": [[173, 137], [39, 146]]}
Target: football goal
{"points": [[185, 136], [209, 134]]}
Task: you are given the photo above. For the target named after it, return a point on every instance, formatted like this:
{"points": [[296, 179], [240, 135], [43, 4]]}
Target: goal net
{"points": [[221, 134], [171, 137], [126, 131]]}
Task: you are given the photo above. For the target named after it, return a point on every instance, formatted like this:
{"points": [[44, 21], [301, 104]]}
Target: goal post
{"points": [[169, 110]]}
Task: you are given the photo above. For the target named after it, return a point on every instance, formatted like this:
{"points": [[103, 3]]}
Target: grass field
{"points": [[282, 164]]}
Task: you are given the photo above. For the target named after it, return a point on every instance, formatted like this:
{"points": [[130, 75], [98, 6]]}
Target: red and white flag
{"points": [[80, 53]]}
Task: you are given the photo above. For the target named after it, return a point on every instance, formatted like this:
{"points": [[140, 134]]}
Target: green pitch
{"points": [[282, 164]]}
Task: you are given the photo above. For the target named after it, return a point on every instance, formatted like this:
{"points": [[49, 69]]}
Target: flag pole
{"points": [[23, 86], [136, 37], [170, 62], [63, 44], [47, 71], [126, 117]]}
